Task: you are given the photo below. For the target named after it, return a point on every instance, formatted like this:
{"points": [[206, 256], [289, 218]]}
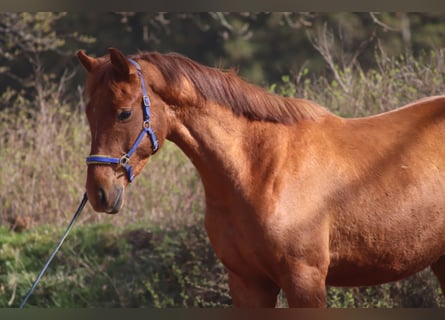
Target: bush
{"points": [[352, 92]]}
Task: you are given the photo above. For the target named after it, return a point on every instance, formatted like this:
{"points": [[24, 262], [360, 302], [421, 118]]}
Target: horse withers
{"points": [[297, 198]]}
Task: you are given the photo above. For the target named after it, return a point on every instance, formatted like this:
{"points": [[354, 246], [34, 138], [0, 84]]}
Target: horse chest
{"points": [[239, 244]]}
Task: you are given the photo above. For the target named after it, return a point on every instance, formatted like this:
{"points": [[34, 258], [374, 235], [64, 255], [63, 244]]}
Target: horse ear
{"points": [[88, 62], [119, 62]]}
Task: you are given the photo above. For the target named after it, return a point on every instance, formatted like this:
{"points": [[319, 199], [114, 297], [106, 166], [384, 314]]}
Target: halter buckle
{"points": [[146, 101], [124, 160]]}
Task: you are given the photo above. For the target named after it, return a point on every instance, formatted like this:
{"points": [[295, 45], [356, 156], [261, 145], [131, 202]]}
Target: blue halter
{"points": [[124, 161]]}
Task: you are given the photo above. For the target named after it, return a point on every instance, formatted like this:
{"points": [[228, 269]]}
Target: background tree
{"points": [[33, 56]]}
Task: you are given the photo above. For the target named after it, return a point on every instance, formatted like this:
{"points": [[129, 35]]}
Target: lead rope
{"points": [[34, 285]]}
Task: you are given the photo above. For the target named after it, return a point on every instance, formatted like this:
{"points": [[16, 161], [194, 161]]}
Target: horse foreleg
{"points": [[252, 291], [439, 270], [305, 287]]}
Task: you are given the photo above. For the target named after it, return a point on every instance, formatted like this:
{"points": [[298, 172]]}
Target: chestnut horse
{"points": [[297, 198]]}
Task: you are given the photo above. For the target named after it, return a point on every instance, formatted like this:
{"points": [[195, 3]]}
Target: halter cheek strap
{"points": [[124, 161]]}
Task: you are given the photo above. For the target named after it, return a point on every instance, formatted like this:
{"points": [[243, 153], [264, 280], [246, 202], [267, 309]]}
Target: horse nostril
{"points": [[102, 197]]}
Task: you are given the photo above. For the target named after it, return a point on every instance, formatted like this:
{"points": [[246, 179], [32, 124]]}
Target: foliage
{"points": [[354, 92], [263, 45]]}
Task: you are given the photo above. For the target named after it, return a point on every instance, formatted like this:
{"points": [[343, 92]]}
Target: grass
{"points": [[104, 266], [155, 253]]}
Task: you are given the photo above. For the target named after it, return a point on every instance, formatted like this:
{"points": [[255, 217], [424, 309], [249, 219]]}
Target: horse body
{"points": [[389, 222], [364, 196], [294, 201]]}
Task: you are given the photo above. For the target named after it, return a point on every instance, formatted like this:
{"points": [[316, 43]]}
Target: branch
{"points": [[382, 24], [324, 44]]}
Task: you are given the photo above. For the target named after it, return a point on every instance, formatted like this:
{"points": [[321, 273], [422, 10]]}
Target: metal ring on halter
{"points": [[146, 125], [124, 160]]}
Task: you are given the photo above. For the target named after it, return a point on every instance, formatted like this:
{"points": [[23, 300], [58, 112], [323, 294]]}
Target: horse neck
{"points": [[219, 144]]}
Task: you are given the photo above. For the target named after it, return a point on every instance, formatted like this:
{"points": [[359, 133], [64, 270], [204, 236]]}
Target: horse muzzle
{"points": [[108, 200]]}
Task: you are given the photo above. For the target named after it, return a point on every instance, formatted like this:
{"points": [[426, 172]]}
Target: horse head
{"points": [[127, 121]]}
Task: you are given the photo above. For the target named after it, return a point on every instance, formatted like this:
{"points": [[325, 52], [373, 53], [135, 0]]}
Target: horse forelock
{"points": [[226, 88]]}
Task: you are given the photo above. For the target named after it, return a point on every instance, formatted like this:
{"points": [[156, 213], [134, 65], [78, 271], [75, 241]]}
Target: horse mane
{"points": [[226, 88]]}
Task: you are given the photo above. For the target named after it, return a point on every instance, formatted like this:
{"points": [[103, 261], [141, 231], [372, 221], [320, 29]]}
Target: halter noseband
{"points": [[124, 161]]}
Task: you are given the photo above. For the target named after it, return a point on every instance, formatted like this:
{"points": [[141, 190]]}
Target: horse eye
{"points": [[124, 115]]}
